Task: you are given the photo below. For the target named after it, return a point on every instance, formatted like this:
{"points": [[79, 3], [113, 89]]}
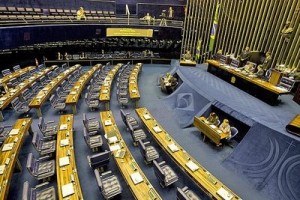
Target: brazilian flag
{"points": [[214, 28], [198, 48]]}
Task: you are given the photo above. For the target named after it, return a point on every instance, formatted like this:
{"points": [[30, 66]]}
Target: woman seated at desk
{"points": [[225, 128], [213, 119]]}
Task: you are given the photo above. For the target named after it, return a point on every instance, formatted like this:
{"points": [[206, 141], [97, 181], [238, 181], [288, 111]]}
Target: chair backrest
{"points": [[16, 68], [85, 135], [35, 140], [30, 164], [6, 72], [41, 67], [142, 147], [100, 159], [234, 132], [25, 193], [84, 119], [123, 116], [158, 171], [41, 124], [15, 102], [52, 99]]}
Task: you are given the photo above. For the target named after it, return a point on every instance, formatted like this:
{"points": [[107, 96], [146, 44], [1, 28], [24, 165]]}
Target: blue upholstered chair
{"points": [[165, 174], [186, 194], [148, 151], [108, 183], [41, 191]]}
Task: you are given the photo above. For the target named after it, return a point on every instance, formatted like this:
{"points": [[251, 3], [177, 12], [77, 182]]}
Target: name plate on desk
{"points": [[224, 194], [136, 178], [157, 129]]}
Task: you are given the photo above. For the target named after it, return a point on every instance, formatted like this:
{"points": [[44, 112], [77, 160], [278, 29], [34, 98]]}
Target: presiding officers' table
{"points": [[9, 153], [133, 88], [255, 86], [138, 183], [210, 130], [104, 95], [78, 87], [211, 185], [44, 94], [68, 184], [13, 93]]}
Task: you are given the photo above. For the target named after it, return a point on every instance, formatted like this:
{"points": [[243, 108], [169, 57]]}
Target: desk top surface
{"points": [[142, 188], [78, 87], [13, 93], [106, 86], [133, 82], [257, 81], [65, 160], [198, 173], [9, 153], [43, 94], [16, 74]]}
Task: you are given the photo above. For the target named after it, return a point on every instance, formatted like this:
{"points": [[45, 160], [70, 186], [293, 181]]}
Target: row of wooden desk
{"points": [[9, 153], [133, 88], [104, 95], [138, 183], [255, 86], [78, 87], [13, 93], [44, 94], [203, 178], [15, 74], [68, 183]]}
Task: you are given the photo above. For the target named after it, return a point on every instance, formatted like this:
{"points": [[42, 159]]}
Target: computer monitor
{"points": [[223, 59], [235, 63], [257, 57]]}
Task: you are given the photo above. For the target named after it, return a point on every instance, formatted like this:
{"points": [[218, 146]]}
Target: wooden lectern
{"points": [[275, 77]]}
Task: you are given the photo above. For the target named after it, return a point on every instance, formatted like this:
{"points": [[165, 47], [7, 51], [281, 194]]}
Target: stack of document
{"points": [[114, 147], [147, 117], [113, 139], [107, 122], [2, 168], [157, 129], [120, 153], [8, 147], [64, 142], [63, 127], [224, 194]]}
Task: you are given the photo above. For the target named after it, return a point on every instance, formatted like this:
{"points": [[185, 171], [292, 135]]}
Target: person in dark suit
{"points": [[213, 119], [244, 56]]}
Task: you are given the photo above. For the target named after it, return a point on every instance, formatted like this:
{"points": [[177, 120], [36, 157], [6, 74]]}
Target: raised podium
{"points": [[275, 77], [294, 126]]}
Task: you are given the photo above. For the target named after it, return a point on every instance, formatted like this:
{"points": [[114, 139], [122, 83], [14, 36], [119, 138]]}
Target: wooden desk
{"points": [[127, 165], [78, 87], [255, 86], [211, 131], [133, 88], [68, 173], [15, 74], [13, 93], [209, 184], [44, 94], [104, 95], [10, 158]]}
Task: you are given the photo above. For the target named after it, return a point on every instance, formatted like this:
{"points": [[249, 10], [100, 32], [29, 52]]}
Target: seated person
{"points": [[295, 73], [187, 56], [147, 18], [225, 128], [244, 56], [169, 80], [81, 14], [260, 71], [267, 62], [287, 31], [213, 119]]}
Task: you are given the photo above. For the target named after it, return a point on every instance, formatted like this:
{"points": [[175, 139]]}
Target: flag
{"points": [[198, 48], [214, 29]]}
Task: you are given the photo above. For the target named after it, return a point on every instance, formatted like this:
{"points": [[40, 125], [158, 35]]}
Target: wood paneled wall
{"points": [[254, 23]]}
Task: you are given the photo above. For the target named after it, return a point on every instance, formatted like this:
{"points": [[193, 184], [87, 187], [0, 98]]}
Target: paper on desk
{"points": [[114, 147], [7, 147], [64, 161], [63, 127], [173, 147], [147, 117], [134, 91], [113, 139], [2, 168], [73, 92], [64, 142], [136, 177], [219, 131], [14, 132], [67, 189], [224, 194], [192, 165], [107, 122], [157, 129], [104, 91], [212, 126]]}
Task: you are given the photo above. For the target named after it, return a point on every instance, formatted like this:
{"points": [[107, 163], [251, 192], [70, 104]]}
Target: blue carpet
{"points": [[270, 161]]}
